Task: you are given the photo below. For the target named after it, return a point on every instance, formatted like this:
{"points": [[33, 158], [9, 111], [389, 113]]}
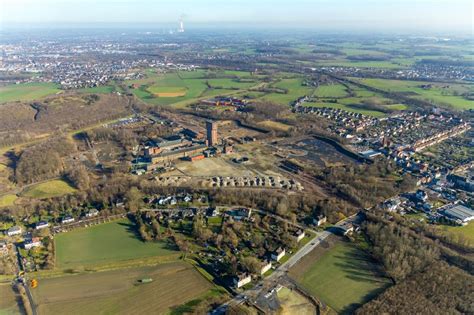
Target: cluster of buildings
{"points": [[226, 101], [88, 64], [257, 181], [410, 131], [421, 71], [188, 145], [345, 124]]}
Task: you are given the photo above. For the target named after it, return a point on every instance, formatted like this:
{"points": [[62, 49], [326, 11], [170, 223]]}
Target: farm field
{"points": [[343, 277], [27, 91], [118, 291], [334, 90], [104, 89], [8, 300], [386, 64], [7, 200], [182, 88], [49, 189], [439, 93], [462, 232], [353, 99], [105, 244], [295, 91], [167, 91]]}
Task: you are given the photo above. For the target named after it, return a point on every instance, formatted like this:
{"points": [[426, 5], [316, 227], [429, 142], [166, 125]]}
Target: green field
{"points": [[49, 189], [353, 99], [104, 89], [460, 232], [27, 91], [343, 277], [184, 87], [118, 291], [439, 94], [167, 91], [105, 244], [188, 82], [333, 90], [7, 200], [295, 91]]}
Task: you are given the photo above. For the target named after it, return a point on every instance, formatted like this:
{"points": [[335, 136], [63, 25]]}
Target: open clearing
{"points": [[294, 89], [437, 93], [185, 87], [460, 232], [27, 91], [49, 189], [9, 300], [117, 292], [7, 200], [334, 90], [211, 167], [275, 125], [105, 244], [165, 91], [292, 302], [344, 277]]}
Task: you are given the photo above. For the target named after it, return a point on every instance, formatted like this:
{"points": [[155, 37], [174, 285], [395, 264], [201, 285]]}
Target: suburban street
{"points": [[260, 293]]}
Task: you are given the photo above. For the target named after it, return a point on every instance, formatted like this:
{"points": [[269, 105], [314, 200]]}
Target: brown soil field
{"points": [[118, 291], [10, 301], [170, 94]]}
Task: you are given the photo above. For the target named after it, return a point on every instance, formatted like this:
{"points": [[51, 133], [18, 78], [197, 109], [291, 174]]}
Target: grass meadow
{"points": [[49, 189], [27, 91], [344, 277], [105, 244], [7, 200], [441, 94]]}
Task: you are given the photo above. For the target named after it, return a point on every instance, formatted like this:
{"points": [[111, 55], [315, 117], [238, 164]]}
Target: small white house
{"points": [[266, 265], [14, 230], [92, 213], [242, 279], [67, 219], [299, 235], [34, 242], [320, 220], [41, 225], [278, 254]]}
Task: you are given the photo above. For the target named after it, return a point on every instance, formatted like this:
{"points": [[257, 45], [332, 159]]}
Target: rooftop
{"points": [[460, 212]]}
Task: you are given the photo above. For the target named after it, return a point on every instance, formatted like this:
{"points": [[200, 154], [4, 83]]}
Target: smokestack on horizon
{"points": [[181, 25]]}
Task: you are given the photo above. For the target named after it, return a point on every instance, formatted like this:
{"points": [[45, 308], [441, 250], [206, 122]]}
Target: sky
{"points": [[390, 15]]}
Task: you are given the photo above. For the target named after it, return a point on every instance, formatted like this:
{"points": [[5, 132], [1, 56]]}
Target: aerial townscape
{"points": [[236, 169]]}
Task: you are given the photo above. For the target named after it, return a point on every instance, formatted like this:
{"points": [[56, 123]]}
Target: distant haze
{"points": [[359, 15]]}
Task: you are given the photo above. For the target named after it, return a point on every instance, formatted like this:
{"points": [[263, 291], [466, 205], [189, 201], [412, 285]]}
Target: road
{"points": [[261, 292], [24, 282]]}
